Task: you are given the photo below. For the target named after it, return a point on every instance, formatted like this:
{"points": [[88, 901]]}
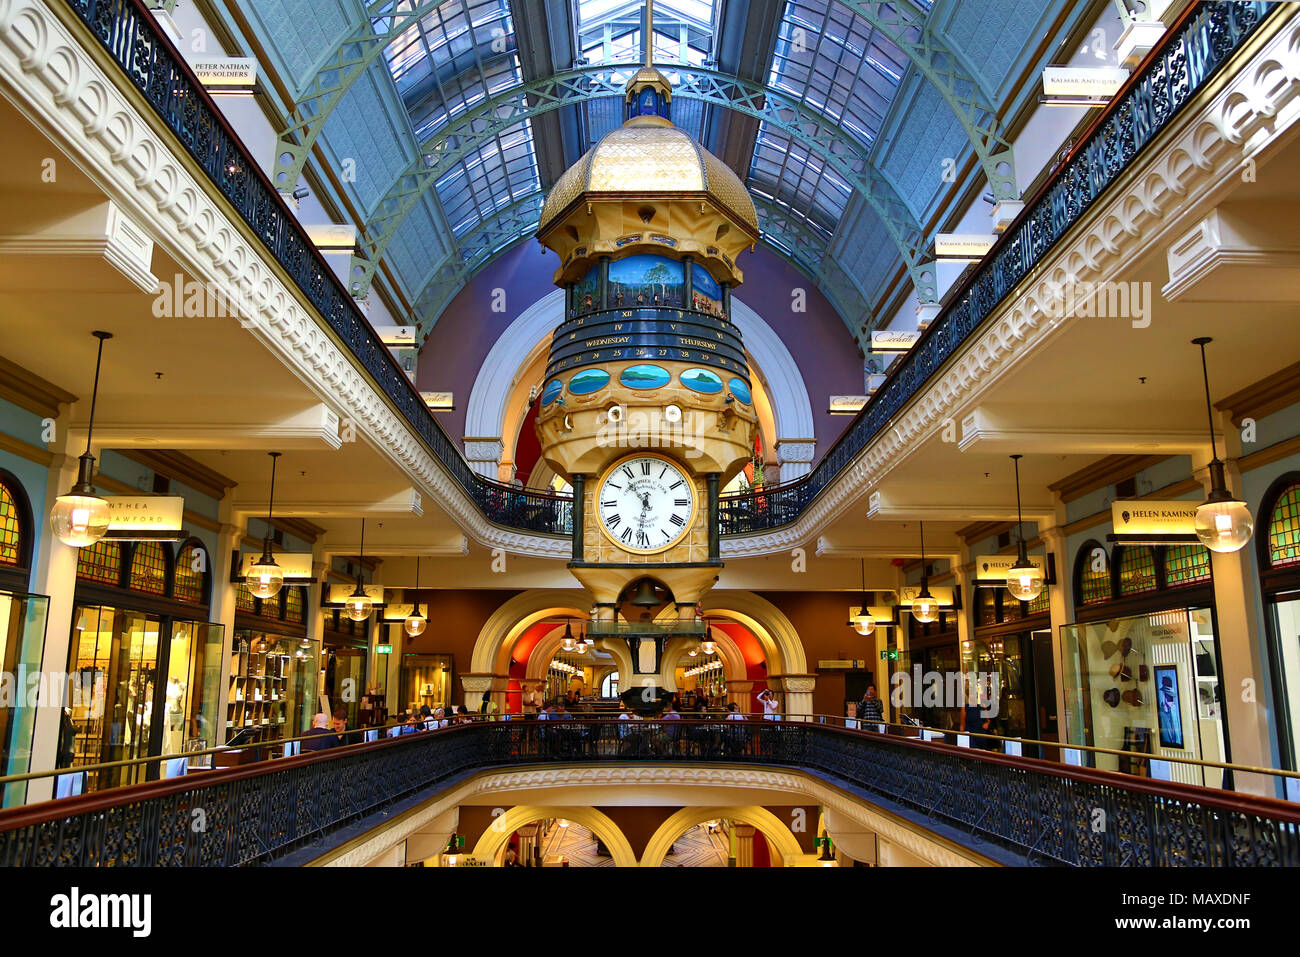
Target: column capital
{"points": [[797, 683]]}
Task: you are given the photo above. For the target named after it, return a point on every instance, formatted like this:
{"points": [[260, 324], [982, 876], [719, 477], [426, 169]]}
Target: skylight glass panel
{"points": [[785, 171], [610, 32], [490, 178]]}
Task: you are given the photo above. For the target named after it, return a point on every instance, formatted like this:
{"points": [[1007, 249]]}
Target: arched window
{"points": [[1284, 528], [244, 600], [1137, 570], [148, 568], [293, 605], [1092, 574], [1186, 565], [190, 577], [101, 562], [12, 533]]}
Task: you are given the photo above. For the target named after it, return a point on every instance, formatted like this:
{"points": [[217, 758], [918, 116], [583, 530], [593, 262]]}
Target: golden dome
{"points": [[647, 156]]}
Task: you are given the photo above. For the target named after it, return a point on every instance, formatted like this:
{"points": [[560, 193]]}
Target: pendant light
{"points": [[925, 607], [265, 577], [416, 622], [567, 642], [81, 517], [1024, 579], [1223, 522], [862, 622], [581, 646], [360, 604]]}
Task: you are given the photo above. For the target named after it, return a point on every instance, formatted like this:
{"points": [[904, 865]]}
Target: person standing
{"points": [[770, 705], [871, 708]]}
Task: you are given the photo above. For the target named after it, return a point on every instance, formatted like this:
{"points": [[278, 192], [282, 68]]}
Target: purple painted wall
{"points": [[817, 339]]}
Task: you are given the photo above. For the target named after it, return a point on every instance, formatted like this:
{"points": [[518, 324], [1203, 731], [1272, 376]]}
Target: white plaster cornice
{"points": [[110, 133]]}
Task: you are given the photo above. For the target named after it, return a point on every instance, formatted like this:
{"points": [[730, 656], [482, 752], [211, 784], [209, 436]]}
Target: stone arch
{"points": [[775, 632], [491, 653], [546, 648], [678, 824], [498, 399], [495, 837]]}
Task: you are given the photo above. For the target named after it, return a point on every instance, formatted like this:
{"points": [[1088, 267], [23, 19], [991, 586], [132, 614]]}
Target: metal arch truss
{"points": [[814, 131], [502, 229], [905, 24]]}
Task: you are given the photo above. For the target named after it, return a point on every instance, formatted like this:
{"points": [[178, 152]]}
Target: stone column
{"points": [[54, 574], [795, 457], [742, 844], [484, 455], [476, 686], [738, 693], [798, 690], [1236, 599]]}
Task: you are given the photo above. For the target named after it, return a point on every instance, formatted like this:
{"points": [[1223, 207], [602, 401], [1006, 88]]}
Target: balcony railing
{"points": [[1032, 811], [1188, 57]]}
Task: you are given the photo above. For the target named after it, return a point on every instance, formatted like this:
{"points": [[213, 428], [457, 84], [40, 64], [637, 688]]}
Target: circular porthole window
{"points": [[740, 390], [645, 376], [702, 381], [552, 391], [588, 381]]}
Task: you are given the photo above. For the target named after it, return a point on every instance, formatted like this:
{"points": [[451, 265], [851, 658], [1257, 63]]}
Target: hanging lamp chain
{"points": [[94, 392], [1209, 407]]}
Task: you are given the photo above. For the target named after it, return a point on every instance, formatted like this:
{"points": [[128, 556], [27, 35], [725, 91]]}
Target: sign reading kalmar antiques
{"points": [[994, 568], [1150, 517], [893, 340], [225, 72], [292, 564], [145, 513], [339, 594], [1091, 81], [969, 246]]}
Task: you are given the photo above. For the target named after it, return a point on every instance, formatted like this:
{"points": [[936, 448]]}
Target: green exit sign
{"points": [[889, 654], [383, 649]]}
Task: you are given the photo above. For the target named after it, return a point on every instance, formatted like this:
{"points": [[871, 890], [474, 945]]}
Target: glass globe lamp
{"points": [[265, 577], [925, 608], [359, 604], [1224, 524], [415, 623], [80, 518], [1024, 581], [863, 624]]}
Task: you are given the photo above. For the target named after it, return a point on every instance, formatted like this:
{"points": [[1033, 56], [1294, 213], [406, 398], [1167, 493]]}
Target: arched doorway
{"points": [[494, 840], [783, 842]]}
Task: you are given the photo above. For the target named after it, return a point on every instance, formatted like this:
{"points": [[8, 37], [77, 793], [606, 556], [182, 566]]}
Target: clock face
{"points": [[646, 503]]}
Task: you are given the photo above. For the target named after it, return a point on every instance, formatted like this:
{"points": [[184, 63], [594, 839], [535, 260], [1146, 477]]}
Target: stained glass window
{"points": [[11, 544], [270, 607], [188, 583], [1186, 565], [149, 568], [1094, 580], [1137, 570], [1041, 604], [293, 605], [1284, 529], [244, 599], [101, 562]]}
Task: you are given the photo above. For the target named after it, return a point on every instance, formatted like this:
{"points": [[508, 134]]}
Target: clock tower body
{"points": [[646, 406]]}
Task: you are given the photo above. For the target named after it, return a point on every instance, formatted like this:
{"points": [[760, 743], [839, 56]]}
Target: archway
{"points": [[688, 817], [498, 400], [775, 632], [495, 837]]}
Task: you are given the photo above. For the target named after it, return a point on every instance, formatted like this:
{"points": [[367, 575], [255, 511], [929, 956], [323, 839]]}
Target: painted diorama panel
{"points": [[706, 292], [647, 280]]}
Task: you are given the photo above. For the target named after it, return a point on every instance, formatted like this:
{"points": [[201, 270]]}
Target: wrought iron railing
{"points": [[1038, 811], [1187, 58]]}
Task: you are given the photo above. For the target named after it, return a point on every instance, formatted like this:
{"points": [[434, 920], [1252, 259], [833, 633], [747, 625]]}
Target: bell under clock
{"points": [[646, 503]]}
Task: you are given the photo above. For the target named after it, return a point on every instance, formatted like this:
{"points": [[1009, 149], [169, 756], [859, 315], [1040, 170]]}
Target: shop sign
{"points": [[149, 516], [339, 594], [1149, 517], [295, 566], [967, 247], [1098, 82], [893, 340], [883, 615], [225, 72], [941, 593], [400, 612], [842, 664], [994, 568]]}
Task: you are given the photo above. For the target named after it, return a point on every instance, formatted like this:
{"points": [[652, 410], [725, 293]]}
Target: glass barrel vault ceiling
{"points": [[463, 52]]}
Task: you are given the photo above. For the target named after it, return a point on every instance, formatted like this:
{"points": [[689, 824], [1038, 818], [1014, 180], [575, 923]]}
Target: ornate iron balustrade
{"points": [[1186, 60], [1039, 811]]}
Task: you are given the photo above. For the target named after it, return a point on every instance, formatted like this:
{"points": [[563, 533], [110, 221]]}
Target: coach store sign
{"points": [[1153, 522]]}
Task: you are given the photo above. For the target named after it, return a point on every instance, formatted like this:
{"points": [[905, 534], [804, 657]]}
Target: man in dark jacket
{"points": [[321, 735]]}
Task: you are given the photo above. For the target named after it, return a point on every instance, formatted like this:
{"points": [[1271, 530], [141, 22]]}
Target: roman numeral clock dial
{"points": [[646, 503]]}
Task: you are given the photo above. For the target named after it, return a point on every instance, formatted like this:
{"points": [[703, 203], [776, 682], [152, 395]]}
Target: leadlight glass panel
{"points": [[244, 600], [1284, 529], [1186, 565], [188, 582], [148, 568], [1137, 570], [294, 605], [1094, 581], [11, 544], [101, 562]]}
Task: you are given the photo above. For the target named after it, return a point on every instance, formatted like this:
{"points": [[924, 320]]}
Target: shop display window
{"points": [[1146, 684], [271, 692], [425, 679], [22, 639]]}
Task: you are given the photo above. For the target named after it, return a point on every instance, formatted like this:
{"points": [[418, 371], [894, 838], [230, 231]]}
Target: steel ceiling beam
{"points": [[520, 104]]}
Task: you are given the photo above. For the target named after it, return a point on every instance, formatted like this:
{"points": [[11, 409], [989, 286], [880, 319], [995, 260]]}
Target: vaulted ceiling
{"points": [[860, 126]]}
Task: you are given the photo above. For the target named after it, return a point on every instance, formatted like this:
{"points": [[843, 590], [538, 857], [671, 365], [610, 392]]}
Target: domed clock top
{"points": [[646, 503]]}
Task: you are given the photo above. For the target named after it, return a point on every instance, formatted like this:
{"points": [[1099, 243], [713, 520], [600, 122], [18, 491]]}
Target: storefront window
{"points": [[1146, 684], [425, 679], [22, 639], [1279, 553], [272, 686]]}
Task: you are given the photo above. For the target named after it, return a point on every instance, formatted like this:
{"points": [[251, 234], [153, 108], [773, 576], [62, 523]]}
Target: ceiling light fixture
{"points": [[1024, 579], [415, 622], [925, 607], [567, 642], [81, 517], [265, 577], [359, 604], [862, 622], [1223, 522]]}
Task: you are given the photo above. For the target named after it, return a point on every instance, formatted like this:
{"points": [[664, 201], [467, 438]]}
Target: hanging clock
{"points": [[646, 503]]}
